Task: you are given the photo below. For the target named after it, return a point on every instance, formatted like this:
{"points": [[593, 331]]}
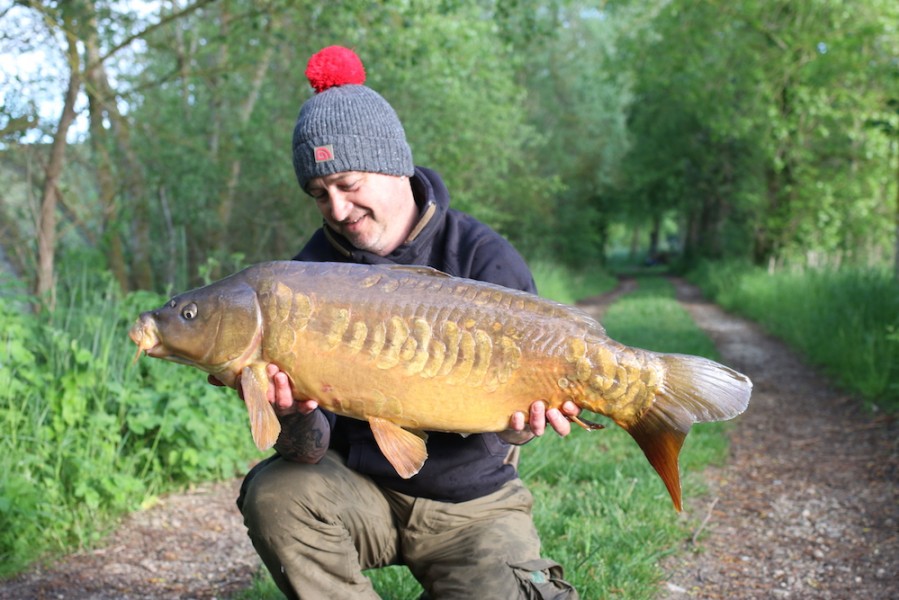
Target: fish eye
{"points": [[189, 311]]}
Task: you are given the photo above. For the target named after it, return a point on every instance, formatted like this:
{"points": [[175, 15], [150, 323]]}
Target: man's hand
{"points": [[523, 428], [281, 396], [279, 393]]}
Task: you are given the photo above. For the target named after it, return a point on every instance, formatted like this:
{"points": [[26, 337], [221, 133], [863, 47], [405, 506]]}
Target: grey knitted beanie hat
{"points": [[346, 126]]}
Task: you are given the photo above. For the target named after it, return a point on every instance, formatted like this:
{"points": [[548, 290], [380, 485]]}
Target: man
{"points": [[328, 505]]}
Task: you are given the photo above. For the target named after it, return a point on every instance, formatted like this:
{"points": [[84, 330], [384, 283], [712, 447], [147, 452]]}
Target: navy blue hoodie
{"points": [[458, 468]]}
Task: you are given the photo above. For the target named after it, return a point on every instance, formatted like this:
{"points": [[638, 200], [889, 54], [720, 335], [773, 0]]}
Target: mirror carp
{"points": [[411, 349]]}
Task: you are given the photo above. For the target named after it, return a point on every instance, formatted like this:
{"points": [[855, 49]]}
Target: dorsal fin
{"points": [[418, 270]]}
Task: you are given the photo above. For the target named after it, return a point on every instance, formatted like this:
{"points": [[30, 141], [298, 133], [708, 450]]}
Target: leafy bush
{"points": [[86, 434]]}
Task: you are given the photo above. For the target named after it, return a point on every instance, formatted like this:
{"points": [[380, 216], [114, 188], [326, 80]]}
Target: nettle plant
{"points": [[88, 433]]}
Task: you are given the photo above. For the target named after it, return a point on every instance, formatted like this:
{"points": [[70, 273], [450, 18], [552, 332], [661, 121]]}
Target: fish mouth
{"points": [[146, 336]]}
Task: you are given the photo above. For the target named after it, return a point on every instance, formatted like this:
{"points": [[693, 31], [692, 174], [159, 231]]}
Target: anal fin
{"points": [[264, 422], [405, 450]]}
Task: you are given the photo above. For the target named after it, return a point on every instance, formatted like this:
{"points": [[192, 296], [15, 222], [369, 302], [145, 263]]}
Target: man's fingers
{"points": [[537, 417], [570, 409], [517, 422], [306, 406], [558, 421], [282, 395]]}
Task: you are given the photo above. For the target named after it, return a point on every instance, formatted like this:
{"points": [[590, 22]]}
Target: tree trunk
{"points": [[183, 54], [45, 287], [103, 107], [226, 206], [635, 242], [896, 255], [218, 238], [97, 89], [654, 233]]}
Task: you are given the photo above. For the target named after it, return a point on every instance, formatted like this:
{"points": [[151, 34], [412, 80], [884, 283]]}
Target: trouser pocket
{"points": [[541, 579]]}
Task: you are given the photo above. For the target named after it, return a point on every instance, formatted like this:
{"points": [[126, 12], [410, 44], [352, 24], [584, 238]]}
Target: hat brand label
{"points": [[324, 153]]}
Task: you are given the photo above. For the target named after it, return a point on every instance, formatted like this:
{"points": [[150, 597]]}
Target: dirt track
{"points": [[807, 507]]}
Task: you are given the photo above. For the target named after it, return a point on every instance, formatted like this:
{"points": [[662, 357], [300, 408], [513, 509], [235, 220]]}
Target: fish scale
{"points": [[410, 350]]}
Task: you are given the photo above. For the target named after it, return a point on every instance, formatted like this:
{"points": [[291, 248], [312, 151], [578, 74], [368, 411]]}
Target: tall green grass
{"points": [[86, 435], [846, 321], [599, 506]]}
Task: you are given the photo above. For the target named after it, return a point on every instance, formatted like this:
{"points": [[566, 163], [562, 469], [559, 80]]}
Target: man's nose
{"points": [[340, 207]]}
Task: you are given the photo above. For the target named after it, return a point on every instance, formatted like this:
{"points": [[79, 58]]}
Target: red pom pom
{"points": [[333, 66]]}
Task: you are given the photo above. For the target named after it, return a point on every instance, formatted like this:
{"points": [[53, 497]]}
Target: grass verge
{"points": [[565, 285], [845, 321]]}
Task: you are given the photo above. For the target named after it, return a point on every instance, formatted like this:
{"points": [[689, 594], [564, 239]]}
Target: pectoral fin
{"points": [[263, 420], [405, 450]]}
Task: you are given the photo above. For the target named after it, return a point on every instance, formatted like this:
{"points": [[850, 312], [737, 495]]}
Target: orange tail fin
{"points": [[695, 390]]}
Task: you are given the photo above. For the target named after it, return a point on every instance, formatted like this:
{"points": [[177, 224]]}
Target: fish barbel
{"points": [[411, 349]]}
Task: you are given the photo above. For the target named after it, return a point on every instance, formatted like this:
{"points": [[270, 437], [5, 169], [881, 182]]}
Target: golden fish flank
{"points": [[409, 348], [419, 347], [360, 334], [287, 312], [340, 322], [462, 354]]}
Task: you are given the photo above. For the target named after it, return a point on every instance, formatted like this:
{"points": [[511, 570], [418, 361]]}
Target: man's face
{"points": [[374, 212]]}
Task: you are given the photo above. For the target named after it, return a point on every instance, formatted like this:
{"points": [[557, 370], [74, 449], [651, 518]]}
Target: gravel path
{"points": [[190, 545], [806, 508]]}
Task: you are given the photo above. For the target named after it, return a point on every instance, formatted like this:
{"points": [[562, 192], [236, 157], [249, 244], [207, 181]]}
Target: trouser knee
{"points": [[276, 489], [316, 527]]}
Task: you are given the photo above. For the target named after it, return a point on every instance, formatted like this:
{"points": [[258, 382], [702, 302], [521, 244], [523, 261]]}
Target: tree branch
{"points": [[144, 32]]}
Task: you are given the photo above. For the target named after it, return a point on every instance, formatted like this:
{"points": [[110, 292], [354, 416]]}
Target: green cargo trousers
{"points": [[318, 527]]}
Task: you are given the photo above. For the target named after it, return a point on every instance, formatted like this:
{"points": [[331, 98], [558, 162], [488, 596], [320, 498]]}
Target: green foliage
{"points": [[444, 69], [755, 128], [845, 321], [86, 435], [750, 124], [578, 98]]}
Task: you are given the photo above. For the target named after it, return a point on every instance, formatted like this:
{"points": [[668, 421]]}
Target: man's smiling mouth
{"points": [[354, 224]]}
